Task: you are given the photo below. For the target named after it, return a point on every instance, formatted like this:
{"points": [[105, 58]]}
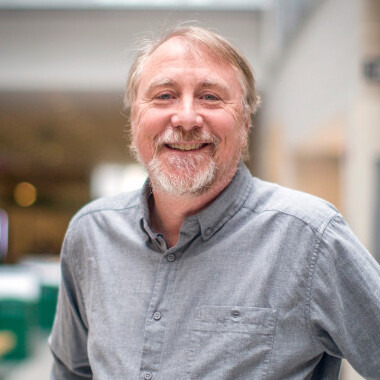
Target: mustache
{"points": [[179, 135]]}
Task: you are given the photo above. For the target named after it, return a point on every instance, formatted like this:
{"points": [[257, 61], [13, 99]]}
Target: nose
{"points": [[186, 116]]}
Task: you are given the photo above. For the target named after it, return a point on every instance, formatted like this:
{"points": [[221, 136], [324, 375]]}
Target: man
{"points": [[208, 273]]}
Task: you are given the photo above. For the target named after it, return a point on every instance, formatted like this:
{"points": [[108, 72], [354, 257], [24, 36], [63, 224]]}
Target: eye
{"points": [[164, 96], [210, 97]]}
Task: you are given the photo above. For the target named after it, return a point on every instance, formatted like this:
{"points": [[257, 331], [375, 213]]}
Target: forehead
{"points": [[181, 54], [181, 47]]}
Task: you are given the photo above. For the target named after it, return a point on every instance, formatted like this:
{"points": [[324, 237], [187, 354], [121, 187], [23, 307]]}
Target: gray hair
{"points": [[217, 44]]}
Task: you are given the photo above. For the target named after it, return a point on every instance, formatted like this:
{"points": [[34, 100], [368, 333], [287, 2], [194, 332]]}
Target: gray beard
{"points": [[191, 181]]}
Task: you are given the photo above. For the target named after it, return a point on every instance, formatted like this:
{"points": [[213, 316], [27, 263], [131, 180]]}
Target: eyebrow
{"points": [[167, 82], [162, 82], [209, 83]]}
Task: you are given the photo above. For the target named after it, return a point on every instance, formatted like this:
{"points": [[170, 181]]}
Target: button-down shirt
{"points": [[264, 283]]}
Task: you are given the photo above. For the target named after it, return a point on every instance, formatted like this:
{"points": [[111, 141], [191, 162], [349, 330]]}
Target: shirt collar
{"points": [[146, 193], [216, 214], [227, 204]]}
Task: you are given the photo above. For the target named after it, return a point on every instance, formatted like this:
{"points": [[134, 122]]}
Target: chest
{"points": [[199, 311]]}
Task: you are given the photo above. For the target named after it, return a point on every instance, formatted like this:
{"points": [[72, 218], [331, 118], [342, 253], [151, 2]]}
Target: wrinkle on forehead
{"points": [[176, 50], [186, 55]]}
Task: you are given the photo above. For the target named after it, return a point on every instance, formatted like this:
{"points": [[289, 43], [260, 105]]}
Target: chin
{"points": [[182, 178]]}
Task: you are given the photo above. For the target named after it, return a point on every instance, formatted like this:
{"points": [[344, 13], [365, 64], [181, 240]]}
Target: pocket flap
{"points": [[263, 319]]}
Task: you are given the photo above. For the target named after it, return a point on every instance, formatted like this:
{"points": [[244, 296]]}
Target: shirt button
{"points": [[235, 313], [157, 316], [148, 376], [208, 231], [171, 257]]}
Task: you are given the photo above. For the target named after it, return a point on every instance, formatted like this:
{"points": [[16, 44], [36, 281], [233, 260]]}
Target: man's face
{"points": [[188, 127]]}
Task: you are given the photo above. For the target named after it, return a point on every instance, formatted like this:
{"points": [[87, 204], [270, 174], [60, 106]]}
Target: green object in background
{"points": [[47, 271], [28, 299], [18, 317], [47, 306], [19, 295]]}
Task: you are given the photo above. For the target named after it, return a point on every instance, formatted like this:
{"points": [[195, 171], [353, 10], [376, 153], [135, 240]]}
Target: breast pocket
{"points": [[230, 343]]}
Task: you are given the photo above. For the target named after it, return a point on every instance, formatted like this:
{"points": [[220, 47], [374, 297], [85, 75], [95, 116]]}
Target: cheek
{"points": [[146, 125], [150, 121], [228, 126], [232, 133]]}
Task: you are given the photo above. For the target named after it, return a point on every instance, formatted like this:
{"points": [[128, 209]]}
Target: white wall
{"points": [[318, 81], [92, 50], [363, 142], [317, 76]]}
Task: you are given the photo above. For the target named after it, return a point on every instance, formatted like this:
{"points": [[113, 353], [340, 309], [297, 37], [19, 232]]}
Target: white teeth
{"points": [[185, 146]]}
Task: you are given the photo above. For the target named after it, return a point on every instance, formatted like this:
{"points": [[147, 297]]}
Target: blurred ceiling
{"points": [[107, 4], [62, 77], [59, 136]]}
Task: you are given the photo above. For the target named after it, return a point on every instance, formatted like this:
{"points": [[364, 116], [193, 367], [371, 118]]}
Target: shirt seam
{"points": [[78, 286], [312, 270], [269, 359], [78, 217], [314, 229]]}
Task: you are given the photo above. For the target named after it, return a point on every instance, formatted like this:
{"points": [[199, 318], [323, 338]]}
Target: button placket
{"points": [[155, 326]]}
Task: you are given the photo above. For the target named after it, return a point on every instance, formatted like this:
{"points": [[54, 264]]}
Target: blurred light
{"points": [[189, 4], [111, 179], [25, 194]]}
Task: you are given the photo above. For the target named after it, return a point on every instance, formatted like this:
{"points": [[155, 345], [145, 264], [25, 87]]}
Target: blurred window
{"points": [[111, 179]]}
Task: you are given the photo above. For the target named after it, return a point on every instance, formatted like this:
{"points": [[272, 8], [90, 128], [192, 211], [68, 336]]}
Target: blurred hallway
{"points": [[62, 76]]}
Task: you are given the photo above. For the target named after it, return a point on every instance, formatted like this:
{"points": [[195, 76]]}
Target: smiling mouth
{"points": [[186, 147]]}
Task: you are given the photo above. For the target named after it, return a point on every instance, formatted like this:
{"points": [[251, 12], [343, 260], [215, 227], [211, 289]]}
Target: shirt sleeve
{"points": [[68, 340], [345, 299]]}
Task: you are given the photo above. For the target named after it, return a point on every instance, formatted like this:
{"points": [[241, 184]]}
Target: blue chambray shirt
{"points": [[264, 283]]}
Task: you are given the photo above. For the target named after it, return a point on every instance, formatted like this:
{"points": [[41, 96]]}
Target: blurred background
{"points": [[63, 138]]}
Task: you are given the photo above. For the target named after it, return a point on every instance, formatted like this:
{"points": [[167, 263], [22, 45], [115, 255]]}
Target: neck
{"points": [[167, 212]]}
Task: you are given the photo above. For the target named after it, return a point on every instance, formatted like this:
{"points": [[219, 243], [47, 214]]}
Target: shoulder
{"points": [[285, 202], [123, 202]]}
